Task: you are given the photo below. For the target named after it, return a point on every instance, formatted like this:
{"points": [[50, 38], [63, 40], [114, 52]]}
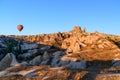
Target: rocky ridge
{"points": [[77, 55]]}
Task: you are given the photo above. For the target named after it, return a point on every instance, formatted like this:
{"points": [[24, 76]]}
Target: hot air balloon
{"points": [[20, 27]]}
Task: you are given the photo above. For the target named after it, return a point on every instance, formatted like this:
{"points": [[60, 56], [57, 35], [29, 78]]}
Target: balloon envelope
{"points": [[20, 27]]}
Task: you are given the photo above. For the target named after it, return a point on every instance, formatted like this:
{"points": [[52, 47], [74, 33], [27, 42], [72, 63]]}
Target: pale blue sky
{"points": [[49, 16]]}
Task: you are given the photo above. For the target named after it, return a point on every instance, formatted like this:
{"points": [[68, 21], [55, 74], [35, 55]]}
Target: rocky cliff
{"points": [[72, 55]]}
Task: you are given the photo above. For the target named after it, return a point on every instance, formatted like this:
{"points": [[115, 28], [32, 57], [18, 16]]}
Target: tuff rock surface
{"points": [[72, 55]]}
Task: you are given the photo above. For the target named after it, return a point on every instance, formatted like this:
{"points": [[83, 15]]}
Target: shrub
{"points": [[14, 47]]}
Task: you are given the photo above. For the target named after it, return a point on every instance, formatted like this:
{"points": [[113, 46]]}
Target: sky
{"points": [[51, 16]]}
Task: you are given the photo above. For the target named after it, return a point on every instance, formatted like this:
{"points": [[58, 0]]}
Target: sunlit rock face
{"points": [[73, 55]]}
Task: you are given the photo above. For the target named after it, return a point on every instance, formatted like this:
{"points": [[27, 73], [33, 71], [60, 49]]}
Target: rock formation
{"points": [[73, 55]]}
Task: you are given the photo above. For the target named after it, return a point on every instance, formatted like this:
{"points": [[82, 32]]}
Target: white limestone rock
{"points": [[46, 55], [27, 46], [3, 73], [36, 61], [77, 65], [28, 54], [7, 61], [116, 63]]}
